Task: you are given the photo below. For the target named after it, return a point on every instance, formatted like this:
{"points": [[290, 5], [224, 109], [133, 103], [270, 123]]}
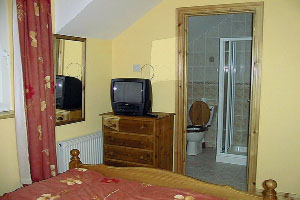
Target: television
{"points": [[131, 96], [68, 93]]}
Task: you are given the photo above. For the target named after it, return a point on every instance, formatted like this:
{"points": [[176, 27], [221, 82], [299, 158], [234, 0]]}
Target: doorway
{"points": [[184, 14]]}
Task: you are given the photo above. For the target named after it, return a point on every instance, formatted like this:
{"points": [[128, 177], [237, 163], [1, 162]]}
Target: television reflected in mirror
{"points": [[69, 64]]}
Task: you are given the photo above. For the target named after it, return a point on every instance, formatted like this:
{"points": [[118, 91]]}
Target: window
{"points": [[5, 82]]}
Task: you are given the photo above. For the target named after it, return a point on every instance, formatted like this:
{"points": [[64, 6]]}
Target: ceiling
{"points": [[104, 19]]}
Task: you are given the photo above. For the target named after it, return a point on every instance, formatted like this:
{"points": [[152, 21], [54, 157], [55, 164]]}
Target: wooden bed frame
{"points": [[170, 179]]}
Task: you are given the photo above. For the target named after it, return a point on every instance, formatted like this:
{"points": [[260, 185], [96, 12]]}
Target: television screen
{"points": [[128, 92], [59, 88], [68, 92]]}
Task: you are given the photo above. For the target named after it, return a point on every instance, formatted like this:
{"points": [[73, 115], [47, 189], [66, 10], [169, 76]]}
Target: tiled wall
{"points": [[203, 64]]}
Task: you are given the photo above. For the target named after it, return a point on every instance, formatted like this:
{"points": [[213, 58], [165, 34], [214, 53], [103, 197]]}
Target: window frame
{"points": [[6, 100]]}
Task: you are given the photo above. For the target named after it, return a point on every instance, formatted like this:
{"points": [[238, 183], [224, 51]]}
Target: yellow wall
{"points": [[98, 76], [152, 39], [97, 87], [9, 172], [278, 153], [9, 168], [72, 58]]}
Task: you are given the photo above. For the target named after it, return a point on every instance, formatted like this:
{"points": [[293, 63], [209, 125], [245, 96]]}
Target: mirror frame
{"points": [[83, 71]]}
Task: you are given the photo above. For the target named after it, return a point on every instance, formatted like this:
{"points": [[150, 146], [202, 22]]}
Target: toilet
{"points": [[201, 116]]}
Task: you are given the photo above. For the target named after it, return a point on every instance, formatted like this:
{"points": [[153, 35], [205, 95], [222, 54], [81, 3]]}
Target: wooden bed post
{"points": [[269, 192], [75, 160]]}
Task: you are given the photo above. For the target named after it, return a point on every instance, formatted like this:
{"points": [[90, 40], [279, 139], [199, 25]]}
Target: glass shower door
{"points": [[234, 100]]}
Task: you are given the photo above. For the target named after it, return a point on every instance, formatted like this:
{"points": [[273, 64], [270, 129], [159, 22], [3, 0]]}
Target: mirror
{"points": [[69, 65]]}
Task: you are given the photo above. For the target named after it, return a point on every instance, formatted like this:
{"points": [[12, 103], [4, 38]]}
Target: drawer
{"points": [[128, 154], [119, 163], [128, 140], [133, 126]]}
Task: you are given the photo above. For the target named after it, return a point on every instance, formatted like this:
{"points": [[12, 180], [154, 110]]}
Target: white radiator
{"points": [[90, 147]]}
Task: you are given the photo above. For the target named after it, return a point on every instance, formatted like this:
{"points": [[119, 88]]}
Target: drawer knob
{"points": [[141, 157], [142, 127], [142, 143], [111, 153]]}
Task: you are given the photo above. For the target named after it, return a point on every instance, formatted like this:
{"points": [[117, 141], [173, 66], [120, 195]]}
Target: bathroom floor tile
{"points": [[204, 167]]}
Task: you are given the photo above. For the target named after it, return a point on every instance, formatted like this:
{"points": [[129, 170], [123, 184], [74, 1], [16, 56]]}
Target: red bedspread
{"points": [[87, 184]]}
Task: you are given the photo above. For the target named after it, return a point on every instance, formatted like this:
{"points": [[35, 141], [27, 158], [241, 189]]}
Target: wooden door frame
{"points": [[181, 94]]}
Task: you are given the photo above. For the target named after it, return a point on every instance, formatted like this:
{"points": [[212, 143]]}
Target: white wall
{"points": [[66, 10], [102, 19]]}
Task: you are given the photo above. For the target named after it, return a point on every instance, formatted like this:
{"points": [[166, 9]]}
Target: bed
{"points": [[106, 182]]}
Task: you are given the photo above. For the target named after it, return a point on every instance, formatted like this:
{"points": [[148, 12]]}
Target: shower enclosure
{"points": [[234, 100]]}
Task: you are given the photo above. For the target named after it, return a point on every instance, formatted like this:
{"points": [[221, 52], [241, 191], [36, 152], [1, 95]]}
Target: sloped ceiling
{"points": [[104, 19]]}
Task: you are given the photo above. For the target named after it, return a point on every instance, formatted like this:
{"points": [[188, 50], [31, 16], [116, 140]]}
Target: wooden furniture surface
{"points": [[170, 179], [68, 116], [139, 141]]}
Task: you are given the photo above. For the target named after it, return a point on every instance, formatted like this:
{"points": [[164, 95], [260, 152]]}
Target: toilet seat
{"points": [[199, 114], [195, 128]]}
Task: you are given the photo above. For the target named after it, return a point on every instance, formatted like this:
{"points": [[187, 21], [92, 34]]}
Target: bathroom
{"points": [[219, 74]]}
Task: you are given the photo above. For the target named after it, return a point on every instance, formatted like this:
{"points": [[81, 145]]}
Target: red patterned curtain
{"points": [[35, 32]]}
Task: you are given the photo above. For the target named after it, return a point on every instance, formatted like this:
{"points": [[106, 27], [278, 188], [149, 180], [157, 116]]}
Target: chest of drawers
{"points": [[138, 141]]}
